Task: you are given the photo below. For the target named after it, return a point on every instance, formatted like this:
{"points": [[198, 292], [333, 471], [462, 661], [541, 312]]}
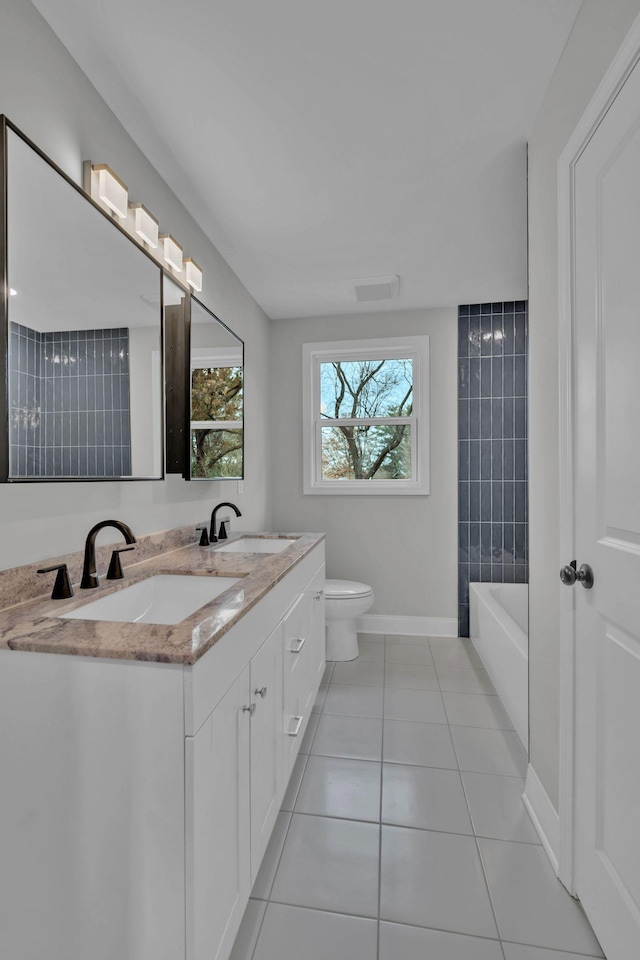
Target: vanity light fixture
{"points": [[111, 190], [193, 274], [172, 251], [145, 224]]}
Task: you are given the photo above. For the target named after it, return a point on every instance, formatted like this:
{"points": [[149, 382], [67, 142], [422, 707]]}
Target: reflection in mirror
{"points": [[217, 398], [84, 334]]}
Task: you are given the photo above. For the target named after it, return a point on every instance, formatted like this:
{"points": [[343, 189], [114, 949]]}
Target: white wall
{"points": [[47, 96], [598, 32], [404, 547]]}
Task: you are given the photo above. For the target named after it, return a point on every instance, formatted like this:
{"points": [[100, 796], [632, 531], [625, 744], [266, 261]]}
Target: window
{"points": [[216, 413], [366, 416]]}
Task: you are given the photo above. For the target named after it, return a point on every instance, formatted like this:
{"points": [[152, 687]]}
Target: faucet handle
{"points": [[115, 566], [62, 589], [222, 532], [204, 536]]}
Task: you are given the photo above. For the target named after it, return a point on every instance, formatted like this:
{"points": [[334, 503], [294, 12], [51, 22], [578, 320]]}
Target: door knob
{"points": [[584, 575]]}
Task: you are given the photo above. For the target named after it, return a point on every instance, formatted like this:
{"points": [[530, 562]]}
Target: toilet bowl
{"points": [[344, 601]]}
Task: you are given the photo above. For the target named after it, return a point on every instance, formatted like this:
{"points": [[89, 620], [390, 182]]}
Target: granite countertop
{"points": [[36, 626]]}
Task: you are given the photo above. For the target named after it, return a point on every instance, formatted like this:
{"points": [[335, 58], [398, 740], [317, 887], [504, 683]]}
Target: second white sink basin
{"points": [[257, 545], [161, 599]]}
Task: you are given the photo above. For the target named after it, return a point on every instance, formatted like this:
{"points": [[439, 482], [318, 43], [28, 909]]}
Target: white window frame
{"points": [[415, 348]]}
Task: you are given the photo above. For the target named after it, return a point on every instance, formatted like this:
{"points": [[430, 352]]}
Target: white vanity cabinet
{"points": [[239, 761], [137, 798]]}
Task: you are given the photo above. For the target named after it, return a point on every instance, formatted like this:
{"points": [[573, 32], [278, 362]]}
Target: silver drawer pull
{"points": [[260, 692], [296, 731], [251, 709], [301, 642]]}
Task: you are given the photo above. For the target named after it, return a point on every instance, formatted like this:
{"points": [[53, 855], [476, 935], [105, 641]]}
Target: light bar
{"points": [[193, 274], [111, 190], [145, 224]]}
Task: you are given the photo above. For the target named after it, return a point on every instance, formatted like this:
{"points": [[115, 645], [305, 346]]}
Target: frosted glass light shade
{"points": [[111, 190], [145, 224], [193, 274], [171, 251]]}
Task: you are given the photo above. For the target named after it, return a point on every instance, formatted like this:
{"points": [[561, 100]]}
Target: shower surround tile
{"points": [[69, 403], [492, 448]]}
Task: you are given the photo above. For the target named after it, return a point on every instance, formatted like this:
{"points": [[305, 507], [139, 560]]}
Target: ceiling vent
{"points": [[374, 288]]}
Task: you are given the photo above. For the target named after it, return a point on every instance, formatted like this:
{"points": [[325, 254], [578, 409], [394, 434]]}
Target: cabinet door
{"points": [[266, 744], [217, 825]]}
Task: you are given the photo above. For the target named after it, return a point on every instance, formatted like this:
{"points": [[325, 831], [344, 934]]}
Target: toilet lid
{"points": [[345, 589]]}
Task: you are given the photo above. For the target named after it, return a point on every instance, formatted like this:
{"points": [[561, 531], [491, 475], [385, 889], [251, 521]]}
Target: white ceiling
{"points": [[316, 142]]}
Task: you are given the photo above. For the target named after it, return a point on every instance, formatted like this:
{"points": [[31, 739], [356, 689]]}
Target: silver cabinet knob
{"points": [[569, 575], [251, 709], [318, 595], [261, 692]]}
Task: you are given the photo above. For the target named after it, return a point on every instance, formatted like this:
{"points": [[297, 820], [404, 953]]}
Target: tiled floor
{"points": [[402, 835]]}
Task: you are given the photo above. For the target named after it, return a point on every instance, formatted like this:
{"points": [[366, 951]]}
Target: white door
{"points": [[218, 873], [607, 525], [267, 779]]}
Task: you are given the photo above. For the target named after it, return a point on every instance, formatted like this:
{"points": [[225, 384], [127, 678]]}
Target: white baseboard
{"points": [[544, 816], [408, 626]]}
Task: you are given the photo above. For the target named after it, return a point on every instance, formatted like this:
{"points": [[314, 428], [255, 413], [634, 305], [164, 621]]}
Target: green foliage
{"points": [[216, 395]]}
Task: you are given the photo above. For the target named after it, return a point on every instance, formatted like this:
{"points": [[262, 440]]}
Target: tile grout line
{"points": [[384, 671]]}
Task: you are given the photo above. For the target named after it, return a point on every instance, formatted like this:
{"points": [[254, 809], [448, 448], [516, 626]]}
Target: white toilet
{"points": [[344, 601]]}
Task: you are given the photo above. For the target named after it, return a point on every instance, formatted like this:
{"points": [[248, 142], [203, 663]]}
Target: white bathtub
{"points": [[498, 626]]}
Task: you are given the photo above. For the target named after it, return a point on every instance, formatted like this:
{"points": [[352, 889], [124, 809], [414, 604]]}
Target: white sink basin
{"points": [[256, 545], [160, 599]]}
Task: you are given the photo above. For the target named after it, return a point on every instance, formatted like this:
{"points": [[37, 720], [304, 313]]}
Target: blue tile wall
{"points": [[492, 448], [69, 402]]}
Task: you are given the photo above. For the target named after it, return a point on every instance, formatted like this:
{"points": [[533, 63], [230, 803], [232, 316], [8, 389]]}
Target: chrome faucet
{"points": [[89, 575], [212, 531]]}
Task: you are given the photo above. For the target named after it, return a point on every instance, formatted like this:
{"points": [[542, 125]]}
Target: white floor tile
{"points": [[489, 751], [416, 676], [266, 873], [294, 782], [465, 680], [451, 643], [496, 806], [300, 934], [425, 744], [456, 658], [402, 942], [366, 672], [476, 710], [321, 696], [329, 865], [402, 652], [328, 671], [359, 738], [310, 732], [531, 904], [335, 787], [434, 880], [371, 650], [248, 933], [516, 951], [351, 700], [424, 706], [424, 797], [405, 638]]}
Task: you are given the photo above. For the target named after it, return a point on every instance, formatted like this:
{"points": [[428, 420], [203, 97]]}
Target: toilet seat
{"points": [[346, 590]]}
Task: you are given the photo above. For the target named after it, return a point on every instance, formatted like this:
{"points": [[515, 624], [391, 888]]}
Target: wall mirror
{"points": [[81, 328], [216, 392]]}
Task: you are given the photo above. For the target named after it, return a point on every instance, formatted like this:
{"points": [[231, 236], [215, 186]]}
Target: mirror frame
{"points": [[5, 477], [178, 386]]}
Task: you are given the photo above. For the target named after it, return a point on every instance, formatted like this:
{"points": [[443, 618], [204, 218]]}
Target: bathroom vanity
{"points": [[143, 765]]}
